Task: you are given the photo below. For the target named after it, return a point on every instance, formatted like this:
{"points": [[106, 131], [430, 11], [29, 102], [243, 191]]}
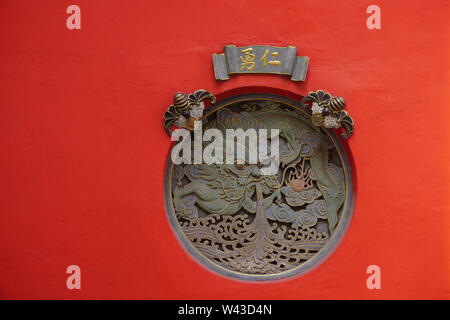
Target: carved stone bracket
{"points": [[186, 109], [328, 112]]}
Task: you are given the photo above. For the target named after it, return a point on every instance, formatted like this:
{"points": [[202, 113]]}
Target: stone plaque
{"points": [[260, 59]]}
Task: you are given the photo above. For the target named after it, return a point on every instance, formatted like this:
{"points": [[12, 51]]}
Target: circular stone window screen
{"points": [[252, 226]]}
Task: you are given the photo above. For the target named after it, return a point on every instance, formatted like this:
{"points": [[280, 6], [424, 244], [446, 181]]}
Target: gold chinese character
{"points": [[271, 62], [248, 60]]}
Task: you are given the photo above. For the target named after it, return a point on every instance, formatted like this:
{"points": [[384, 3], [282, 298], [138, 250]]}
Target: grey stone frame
{"points": [[335, 239]]}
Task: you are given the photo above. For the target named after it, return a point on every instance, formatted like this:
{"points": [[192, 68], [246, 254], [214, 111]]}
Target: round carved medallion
{"points": [[246, 223]]}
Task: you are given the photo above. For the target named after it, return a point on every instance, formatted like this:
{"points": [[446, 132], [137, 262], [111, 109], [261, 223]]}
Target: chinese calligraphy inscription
{"points": [[260, 59]]}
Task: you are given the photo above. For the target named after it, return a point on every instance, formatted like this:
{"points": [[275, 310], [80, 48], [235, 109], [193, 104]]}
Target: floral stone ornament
{"points": [[252, 226]]}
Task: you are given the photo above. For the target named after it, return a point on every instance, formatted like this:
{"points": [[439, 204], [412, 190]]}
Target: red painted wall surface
{"points": [[84, 150]]}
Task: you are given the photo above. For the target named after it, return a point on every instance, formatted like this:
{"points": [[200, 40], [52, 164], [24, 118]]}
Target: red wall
{"points": [[84, 150]]}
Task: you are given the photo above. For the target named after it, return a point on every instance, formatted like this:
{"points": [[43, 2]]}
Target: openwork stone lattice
{"points": [[250, 226], [253, 247]]}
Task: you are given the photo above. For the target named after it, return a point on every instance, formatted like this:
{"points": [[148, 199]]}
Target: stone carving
{"points": [[259, 59], [186, 109], [257, 224], [327, 111]]}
